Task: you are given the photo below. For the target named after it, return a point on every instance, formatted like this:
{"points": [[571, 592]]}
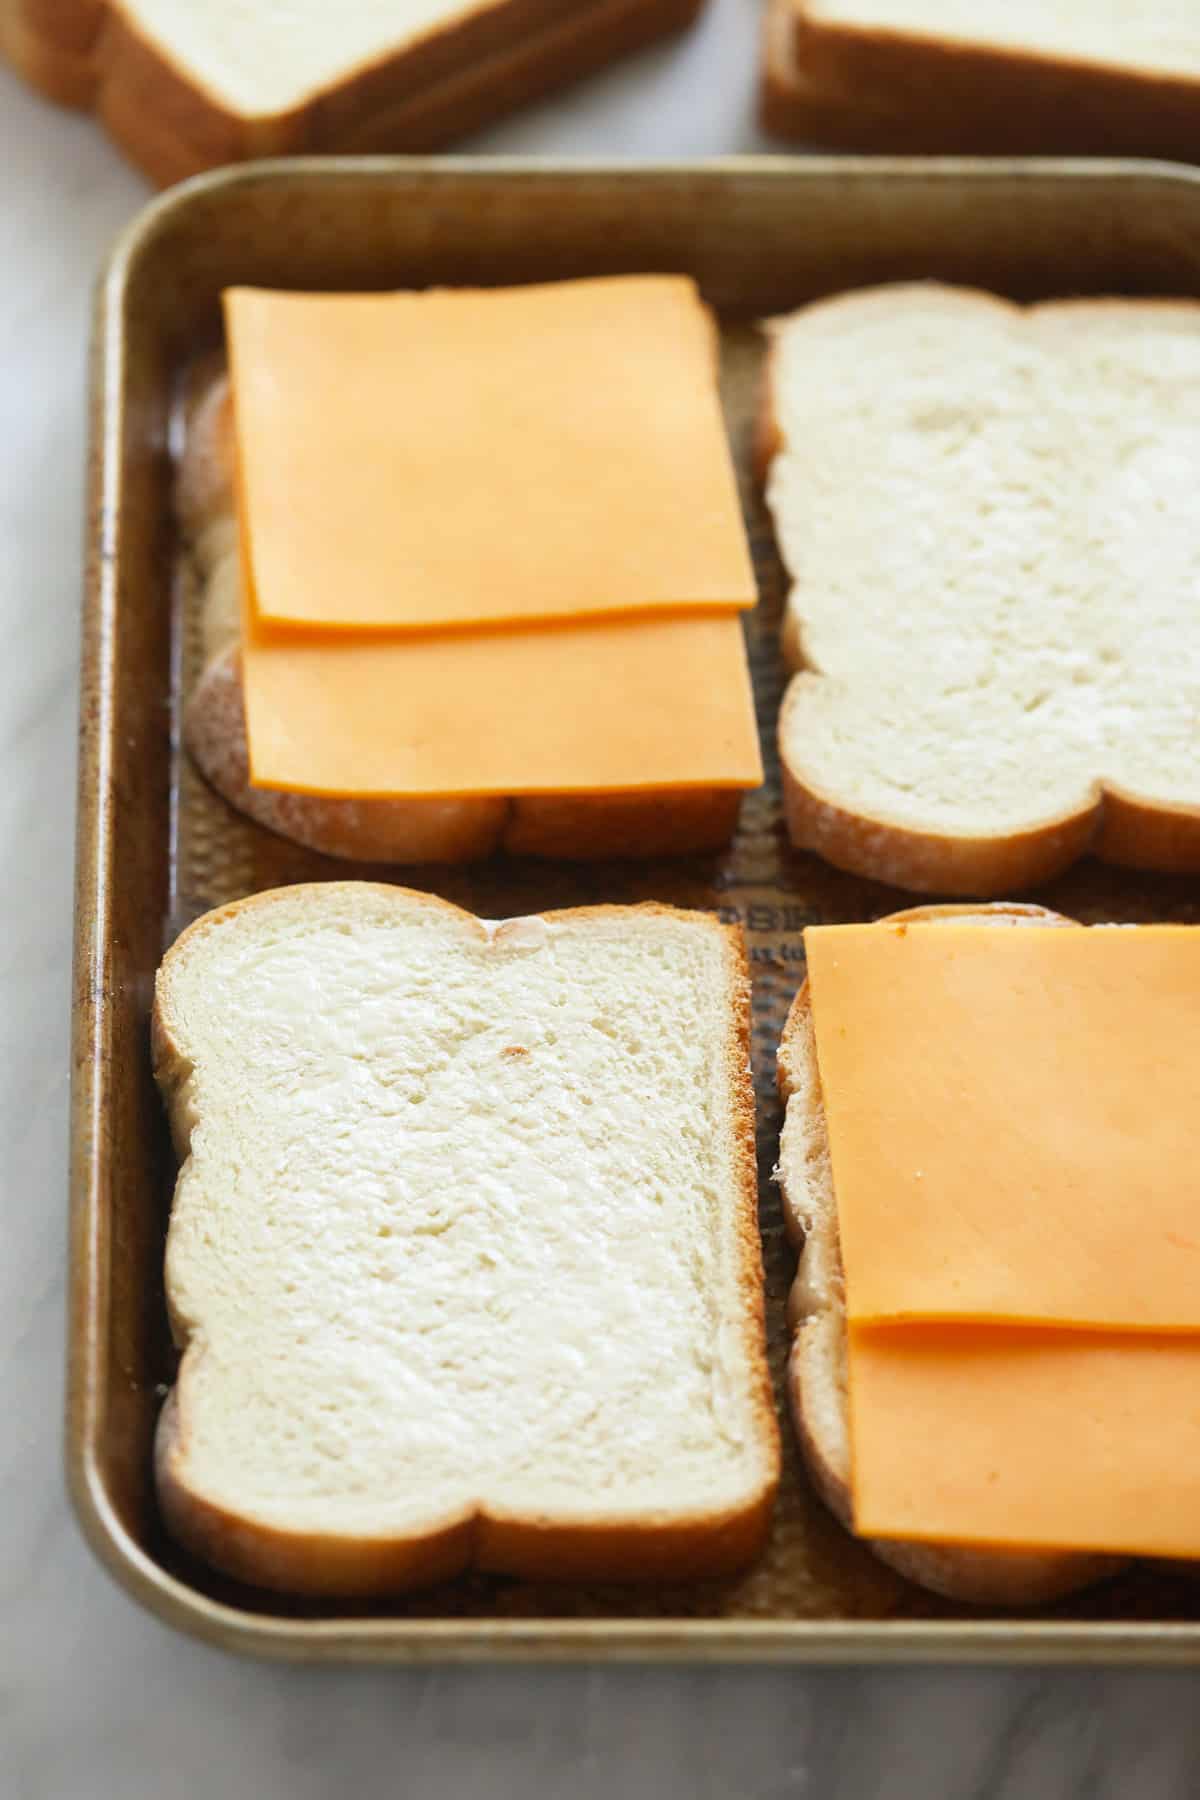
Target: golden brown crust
{"points": [[582, 827], [451, 82], [319, 1564], [371, 830], [1115, 826], [1006, 99], [838, 85], [295, 1562], [701, 1545], [506, 81], [740, 1075], [49, 44], [67, 28], [1140, 836], [928, 862], [578, 827], [980, 1577], [299, 1562], [793, 104]]}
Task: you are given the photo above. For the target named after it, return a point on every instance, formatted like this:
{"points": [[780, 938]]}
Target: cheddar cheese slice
{"points": [[414, 461], [1003, 1436], [1014, 1121], [598, 707]]}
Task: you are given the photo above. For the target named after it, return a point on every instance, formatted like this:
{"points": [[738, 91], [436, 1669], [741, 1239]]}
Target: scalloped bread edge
{"points": [[87, 54], [573, 828], [816, 1378], [838, 84], [1114, 827], [677, 1546]]}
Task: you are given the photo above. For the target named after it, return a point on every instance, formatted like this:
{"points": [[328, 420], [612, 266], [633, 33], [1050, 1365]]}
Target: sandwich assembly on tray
{"points": [[464, 1263], [413, 658]]}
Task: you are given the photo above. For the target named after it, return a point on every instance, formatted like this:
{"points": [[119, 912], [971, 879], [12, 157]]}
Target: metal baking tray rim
{"points": [[581, 1641], [431, 1640]]}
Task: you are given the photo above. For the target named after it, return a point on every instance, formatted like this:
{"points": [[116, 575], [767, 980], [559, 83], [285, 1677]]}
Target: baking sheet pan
{"points": [[156, 847]]}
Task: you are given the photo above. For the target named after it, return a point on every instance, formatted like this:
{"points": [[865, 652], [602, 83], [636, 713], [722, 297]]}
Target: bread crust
{"points": [[929, 862], [579, 827], [50, 45], [1115, 825], [816, 1378], [837, 83], [684, 1546], [452, 81], [793, 103], [583, 827], [409, 831]]}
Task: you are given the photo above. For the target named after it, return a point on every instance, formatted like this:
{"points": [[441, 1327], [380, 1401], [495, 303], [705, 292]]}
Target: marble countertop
{"points": [[96, 1698]]}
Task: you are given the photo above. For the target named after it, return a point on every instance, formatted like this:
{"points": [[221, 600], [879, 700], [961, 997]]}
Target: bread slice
{"points": [[183, 87], [463, 1259], [817, 1314], [795, 104], [574, 828], [987, 515], [1063, 76]]}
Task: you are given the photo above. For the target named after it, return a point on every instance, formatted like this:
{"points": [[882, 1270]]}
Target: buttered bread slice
{"points": [[463, 1258]]}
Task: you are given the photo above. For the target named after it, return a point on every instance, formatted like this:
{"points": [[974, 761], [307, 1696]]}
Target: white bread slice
{"points": [[183, 86], [817, 1315], [1071, 76], [577, 827], [988, 516], [463, 1258]]}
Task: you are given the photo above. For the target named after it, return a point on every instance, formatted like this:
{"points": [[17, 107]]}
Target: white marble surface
{"points": [[97, 1700]]}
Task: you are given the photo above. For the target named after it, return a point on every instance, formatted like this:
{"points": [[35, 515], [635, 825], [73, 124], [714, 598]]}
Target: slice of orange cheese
{"points": [[436, 460], [1014, 1121], [1026, 1438], [600, 707]]}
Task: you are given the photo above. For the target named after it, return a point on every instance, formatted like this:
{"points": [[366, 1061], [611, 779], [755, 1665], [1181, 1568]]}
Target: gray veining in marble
{"points": [[98, 1702]]}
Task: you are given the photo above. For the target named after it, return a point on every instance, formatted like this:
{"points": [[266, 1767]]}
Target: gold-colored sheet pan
{"points": [[156, 847]]}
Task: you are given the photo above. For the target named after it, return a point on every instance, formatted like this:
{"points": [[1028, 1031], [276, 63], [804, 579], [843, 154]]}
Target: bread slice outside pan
{"points": [[797, 104], [410, 85], [939, 735], [817, 1364], [577, 827], [1005, 79], [463, 1260]]}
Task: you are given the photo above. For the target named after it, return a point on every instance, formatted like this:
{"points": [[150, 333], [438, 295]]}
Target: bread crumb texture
{"points": [[988, 515], [459, 1225]]}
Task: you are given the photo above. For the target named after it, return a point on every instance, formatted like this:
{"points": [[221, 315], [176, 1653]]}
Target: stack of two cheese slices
{"points": [[491, 557], [992, 1142]]}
